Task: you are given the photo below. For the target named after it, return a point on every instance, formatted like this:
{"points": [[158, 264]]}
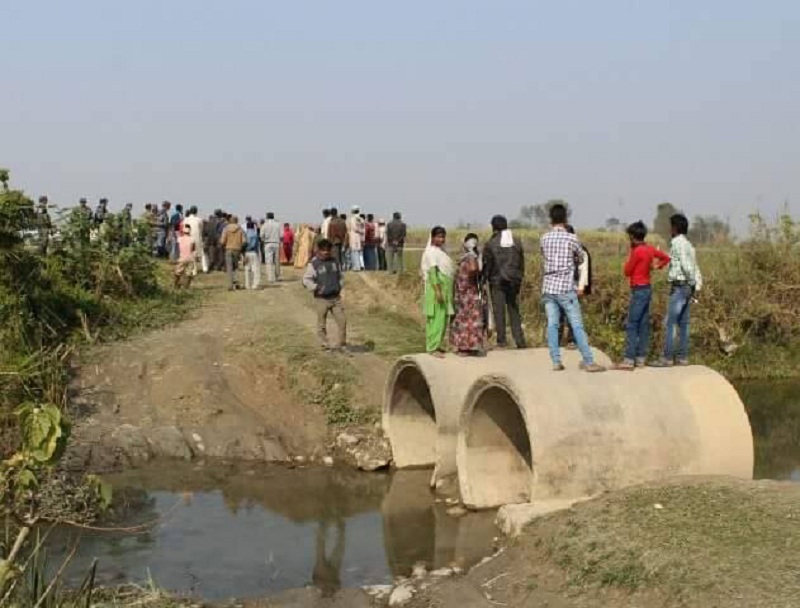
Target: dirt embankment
{"points": [[687, 542], [242, 379]]}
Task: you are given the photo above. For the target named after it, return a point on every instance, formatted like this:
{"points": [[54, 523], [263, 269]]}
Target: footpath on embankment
{"points": [[242, 378]]}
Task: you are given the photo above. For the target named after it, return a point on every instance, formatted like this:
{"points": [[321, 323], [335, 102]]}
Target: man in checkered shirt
{"points": [[561, 250]]}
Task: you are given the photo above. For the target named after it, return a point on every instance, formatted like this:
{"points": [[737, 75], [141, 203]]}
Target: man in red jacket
{"points": [[642, 259]]}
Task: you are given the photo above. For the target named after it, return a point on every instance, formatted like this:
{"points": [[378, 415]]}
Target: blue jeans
{"points": [[637, 339], [370, 257], [680, 303], [568, 302]]}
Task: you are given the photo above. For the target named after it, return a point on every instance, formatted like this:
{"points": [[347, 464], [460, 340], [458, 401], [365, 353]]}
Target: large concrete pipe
{"points": [[530, 435], [425, 395]]}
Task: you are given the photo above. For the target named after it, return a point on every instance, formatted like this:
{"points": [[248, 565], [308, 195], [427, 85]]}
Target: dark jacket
{"points": [[396, 233], [324, 278], [503, 266]]}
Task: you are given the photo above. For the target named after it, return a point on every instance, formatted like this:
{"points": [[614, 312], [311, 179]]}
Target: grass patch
{"points": [[394, 333], [315, 376], [712, 539]]}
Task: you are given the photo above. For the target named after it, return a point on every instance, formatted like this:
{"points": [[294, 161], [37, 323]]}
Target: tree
{"points": [[613, 224], [539, 215], [709, 229], [661, 225]]}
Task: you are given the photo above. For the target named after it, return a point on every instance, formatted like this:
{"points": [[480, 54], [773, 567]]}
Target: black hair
{"points": [[326, 213], [558, 214], [148, 207], [334, 212], [343, 216], [178, 207], [193, 210], [370, 217], [499, 223], [637, 231], [680, 223], [396, 215], [362, 216], [570, 228], [250, 224], [270, 215], [471, 235], [438, 230], [324, 245]]}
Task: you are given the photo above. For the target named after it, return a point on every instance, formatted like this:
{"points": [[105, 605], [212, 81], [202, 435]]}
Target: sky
{"points": [[448, 110]]}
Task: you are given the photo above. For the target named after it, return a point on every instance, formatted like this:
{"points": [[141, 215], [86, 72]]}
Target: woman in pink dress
{"points": [[288, 244]]}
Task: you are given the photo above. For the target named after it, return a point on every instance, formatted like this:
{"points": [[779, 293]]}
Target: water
{"points": [[247, 532], [251, 531], [774, 412]]}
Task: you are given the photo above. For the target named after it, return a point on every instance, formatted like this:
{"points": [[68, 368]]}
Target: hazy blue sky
{"points": [[445, 110]]}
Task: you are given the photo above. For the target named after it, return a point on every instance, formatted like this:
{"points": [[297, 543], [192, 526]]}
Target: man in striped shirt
{"points": [[561, 250], [685, 279]]}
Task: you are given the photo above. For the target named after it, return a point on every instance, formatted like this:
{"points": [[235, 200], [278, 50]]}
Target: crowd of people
{"points": [[465, 300], [465, 297]]}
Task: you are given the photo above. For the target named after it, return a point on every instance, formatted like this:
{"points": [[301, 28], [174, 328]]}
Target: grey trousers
{"points": [[395, 259], [272, 258], [332, 306], [231, 266]]}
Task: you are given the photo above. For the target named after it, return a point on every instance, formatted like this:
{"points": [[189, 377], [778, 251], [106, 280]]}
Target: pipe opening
{"points": [[498, 460], [412, 419]]}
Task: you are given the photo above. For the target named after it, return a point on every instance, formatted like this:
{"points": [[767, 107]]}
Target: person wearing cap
{"points": [[43, 225], [101, 211], [126, 224], [356, 231], [327, 216], [84, 218]]}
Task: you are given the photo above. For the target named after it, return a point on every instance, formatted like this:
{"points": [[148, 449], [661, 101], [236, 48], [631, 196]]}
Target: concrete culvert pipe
{"points": [[425, 395], [531, 435]]}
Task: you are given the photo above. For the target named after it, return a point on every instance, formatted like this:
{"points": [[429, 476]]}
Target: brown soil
{"points": [[217, 378]]}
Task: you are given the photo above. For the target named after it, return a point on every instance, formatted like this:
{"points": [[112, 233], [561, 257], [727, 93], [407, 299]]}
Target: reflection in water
{"points": [[774, 412], [251, 532]]}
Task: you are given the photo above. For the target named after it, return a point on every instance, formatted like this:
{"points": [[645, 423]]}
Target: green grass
{"points": [[317, 377], [716, 538]]}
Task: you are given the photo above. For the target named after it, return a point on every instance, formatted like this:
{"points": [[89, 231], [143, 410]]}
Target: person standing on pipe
{"points": [[685, 280], [560, 251], [503, 269], [642, 259]]}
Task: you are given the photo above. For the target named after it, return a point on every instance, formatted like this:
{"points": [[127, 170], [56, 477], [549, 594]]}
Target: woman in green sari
{"points": [[438, 271]]}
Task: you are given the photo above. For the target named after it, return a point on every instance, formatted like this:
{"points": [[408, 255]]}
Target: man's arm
{"points": [[223, 239], [663, 258], [310, 278]]}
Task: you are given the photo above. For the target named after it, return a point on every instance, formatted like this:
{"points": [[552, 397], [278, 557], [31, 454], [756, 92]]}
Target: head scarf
{"points": [[436, 257]]}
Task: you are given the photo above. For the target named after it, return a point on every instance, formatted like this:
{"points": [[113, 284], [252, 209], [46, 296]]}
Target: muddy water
{"points": [[774, 412], [248, 531]]}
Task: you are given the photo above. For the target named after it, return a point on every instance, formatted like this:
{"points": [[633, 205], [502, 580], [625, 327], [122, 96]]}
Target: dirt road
{"points": [[235, 381]]}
